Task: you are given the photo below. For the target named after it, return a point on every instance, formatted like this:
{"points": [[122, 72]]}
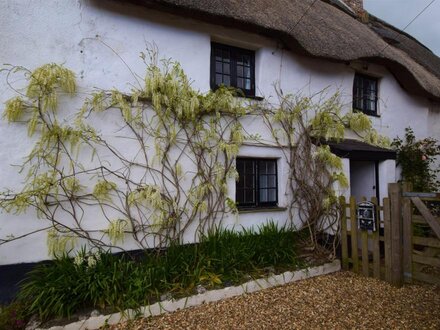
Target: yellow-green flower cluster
{"points": [[116, 230], [102, 190]]}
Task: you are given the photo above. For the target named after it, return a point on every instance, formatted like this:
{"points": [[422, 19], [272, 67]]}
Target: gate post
{"points": [[407, 234], [395, 195]]}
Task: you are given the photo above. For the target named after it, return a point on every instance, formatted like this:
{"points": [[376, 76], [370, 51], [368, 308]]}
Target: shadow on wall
{"points": [[10, 277]]}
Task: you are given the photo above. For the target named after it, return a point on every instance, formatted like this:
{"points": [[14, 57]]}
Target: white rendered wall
{"points": [[101, 42]]}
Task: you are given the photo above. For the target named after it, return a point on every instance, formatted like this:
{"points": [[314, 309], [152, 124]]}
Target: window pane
{"points": [[271, 167], [226, 68], [239, 71], [240, 166], [373, 88], [272, 195], [245, 188], [247, 72], [248, 84], [263, 196], [226, 56], [249, 181], [218, 79], [263, 181], [249, 196], [218, 67], [271, 181], [240, 82], [262, 167], [226, 81], [239, 198], [249, 167], [372, 106], [246, 60], [218, 54]]}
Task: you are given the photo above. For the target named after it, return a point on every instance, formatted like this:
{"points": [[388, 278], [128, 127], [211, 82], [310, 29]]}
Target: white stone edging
{"points": [[172, 305]]}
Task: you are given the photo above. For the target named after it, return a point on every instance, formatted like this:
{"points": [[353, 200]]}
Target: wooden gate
{"points": [[421, 237], [406, 245], [360, 250]]}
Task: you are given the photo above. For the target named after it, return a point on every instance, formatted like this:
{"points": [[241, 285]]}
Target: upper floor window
{"points": [[365, 92], [257, 185], [234, 67]]}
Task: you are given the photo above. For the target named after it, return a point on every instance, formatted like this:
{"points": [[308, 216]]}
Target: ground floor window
{"points": [[257, 185]]}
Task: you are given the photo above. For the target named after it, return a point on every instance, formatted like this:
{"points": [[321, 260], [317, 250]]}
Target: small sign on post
{"points": [[366, 216]]}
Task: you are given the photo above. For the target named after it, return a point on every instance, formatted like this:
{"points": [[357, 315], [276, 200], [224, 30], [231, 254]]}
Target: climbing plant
{"points": [[165, 172], [143, 182], [302, 127]]}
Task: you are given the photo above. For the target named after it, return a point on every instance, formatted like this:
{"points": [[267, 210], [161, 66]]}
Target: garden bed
{"points": [[202, 298], [71, 289]]}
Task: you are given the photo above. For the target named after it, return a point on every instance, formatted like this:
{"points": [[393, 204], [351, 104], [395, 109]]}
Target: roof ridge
{"points": [[406, 34]]}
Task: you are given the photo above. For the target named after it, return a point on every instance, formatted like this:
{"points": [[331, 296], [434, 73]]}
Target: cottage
{"points": [[300, 46]]}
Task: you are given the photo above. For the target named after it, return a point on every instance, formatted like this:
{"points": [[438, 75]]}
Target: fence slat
{"points": [[416, 218], [426, 278], [376, 242], [426, 241], [407, 239], [354, 236], [435, 262], [344, 244], [364, 238], [387, 238], [364, 247], [430, 219], [394, 191]]}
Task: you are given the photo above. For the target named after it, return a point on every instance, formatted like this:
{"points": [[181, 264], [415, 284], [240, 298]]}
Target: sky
{"points": [[426, 28]]}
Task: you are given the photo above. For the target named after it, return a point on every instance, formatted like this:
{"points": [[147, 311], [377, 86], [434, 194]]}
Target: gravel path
{"points": [[339, 301]]}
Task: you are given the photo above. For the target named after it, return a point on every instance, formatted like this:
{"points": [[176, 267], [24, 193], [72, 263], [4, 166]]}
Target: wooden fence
{"points": [[406, 244]]}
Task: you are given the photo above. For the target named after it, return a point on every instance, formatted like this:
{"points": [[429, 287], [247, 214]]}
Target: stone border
{"points": [[172, 305]]}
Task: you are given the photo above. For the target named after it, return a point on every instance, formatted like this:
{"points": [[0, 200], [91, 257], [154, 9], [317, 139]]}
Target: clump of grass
{"points": [[107, 281]]}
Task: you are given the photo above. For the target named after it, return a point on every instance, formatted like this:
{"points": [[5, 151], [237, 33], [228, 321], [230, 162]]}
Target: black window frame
{"points": [[235, 53], [360, 87], [256, 165]]}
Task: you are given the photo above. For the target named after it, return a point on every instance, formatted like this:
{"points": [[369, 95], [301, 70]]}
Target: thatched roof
{"points": [[319, 29]]}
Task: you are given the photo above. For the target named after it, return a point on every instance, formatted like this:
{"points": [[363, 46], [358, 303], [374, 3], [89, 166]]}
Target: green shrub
{"points": [[416, 158]]}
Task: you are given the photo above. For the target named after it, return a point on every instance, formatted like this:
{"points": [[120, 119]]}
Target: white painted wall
{"points": [[101, 42], [387, 174]]}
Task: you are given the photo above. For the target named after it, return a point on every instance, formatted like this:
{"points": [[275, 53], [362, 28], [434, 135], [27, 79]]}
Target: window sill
{"points": [[262, 209], [241, 95], [369, 114], [256, 98]]}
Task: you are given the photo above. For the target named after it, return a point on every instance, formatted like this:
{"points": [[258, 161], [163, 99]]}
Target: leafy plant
{"points": [[107, 281], [416, 158], [13, 316]]}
